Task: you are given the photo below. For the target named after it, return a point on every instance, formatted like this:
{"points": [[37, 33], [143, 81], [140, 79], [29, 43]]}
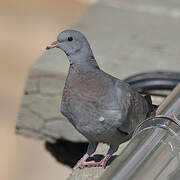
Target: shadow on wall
{"points": [[66, 152], [69, 153]]}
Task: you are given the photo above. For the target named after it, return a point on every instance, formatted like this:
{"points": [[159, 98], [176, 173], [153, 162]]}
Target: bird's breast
{"points": [[89, 106]]}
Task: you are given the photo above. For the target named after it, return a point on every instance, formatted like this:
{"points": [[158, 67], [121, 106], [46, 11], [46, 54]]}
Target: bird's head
{"points": [[72, 43]]}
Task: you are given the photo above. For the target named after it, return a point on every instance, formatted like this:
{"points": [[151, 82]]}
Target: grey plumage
{"points": [[100, 106]]}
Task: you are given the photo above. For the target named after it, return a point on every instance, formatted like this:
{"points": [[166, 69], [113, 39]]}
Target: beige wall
{"points": [[26, 27]]}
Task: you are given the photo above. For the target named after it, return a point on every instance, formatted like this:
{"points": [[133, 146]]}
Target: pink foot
{"points": [[102, 163], [82, 163]]}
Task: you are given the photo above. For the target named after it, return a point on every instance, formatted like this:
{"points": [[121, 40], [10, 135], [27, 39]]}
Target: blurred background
{"points": [[26, 27]]}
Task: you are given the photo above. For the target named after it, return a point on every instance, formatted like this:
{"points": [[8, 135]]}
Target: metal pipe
{"points": [[153, 152]]}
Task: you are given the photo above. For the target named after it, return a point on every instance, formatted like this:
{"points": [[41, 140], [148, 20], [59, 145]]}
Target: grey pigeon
{"points": [[100, 106]]}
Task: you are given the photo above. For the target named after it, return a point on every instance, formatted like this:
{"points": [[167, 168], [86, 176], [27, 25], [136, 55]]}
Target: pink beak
{"points": [[52, 45]]}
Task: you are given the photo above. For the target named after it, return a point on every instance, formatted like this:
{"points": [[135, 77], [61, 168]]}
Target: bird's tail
{"points": [[152, 107]]}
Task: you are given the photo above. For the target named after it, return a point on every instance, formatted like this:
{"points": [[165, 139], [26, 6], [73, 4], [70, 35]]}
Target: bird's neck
{"points": [[83, 62], [88, 65]]}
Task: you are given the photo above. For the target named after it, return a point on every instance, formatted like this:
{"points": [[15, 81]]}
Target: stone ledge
{"points": [[95, 172]]}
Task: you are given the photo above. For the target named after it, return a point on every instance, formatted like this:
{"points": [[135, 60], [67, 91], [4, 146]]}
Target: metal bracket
{"points": [[160, 121]]}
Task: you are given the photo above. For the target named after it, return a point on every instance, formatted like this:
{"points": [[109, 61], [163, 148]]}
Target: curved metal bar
{"points": [[157, 121]]}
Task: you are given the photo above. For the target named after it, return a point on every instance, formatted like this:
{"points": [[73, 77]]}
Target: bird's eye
{"points": [[70, 38]]}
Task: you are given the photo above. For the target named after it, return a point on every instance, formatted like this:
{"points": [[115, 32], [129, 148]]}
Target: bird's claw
{"points": [[102, 164], [82, 164]]}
